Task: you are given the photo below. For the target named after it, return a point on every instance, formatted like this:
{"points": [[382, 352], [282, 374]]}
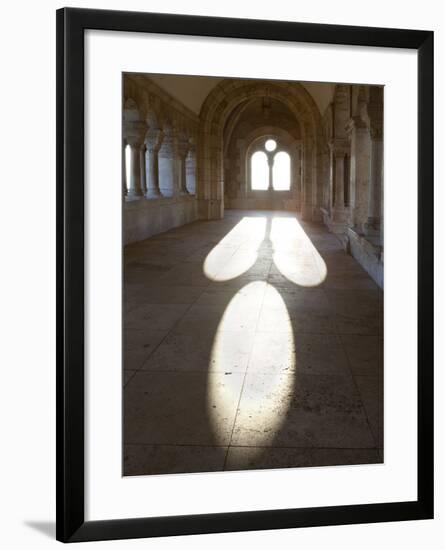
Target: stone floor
{"points": [[250, 342]]}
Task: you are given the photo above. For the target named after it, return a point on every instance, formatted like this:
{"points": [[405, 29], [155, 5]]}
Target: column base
{"points": [[210, 209], [306, 212], [132, 196], [153, 194]]}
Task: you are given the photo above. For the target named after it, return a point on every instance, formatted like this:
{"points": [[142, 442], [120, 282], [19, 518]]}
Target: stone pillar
{"points": [[375, 184], [134, 136], [296, 176], [331, 179], [339, 148], [143, 168], [339, 179], [153, 141], [168, 163], [270, 159], [308, 169], [190, 167], [124, 169], [183, 149], [375, 113], [360, 171]]}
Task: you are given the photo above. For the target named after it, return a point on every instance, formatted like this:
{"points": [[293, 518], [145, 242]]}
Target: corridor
{"points": [[250, 342]]}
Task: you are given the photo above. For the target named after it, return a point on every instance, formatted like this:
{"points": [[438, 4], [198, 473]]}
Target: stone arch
{"points": [[218, 106]]}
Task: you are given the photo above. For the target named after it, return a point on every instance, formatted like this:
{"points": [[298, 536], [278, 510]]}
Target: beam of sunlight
{"points": [[295, 257], [269, 369], [237, 252]]}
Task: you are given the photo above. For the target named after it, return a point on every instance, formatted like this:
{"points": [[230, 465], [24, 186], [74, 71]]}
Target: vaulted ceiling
{"points": [[192, 90]]}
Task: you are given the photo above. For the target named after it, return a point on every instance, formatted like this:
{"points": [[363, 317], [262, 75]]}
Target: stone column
{"points": [[153, 142], [307, 178], [134, 136], [375, 112], [332, 173], [360, 163], [190, 167], [270, 159], [375, 184], [339, 202], [124, 169], [296, 176], [183, 149], [143, 168], [168, 163], [338, 151]]}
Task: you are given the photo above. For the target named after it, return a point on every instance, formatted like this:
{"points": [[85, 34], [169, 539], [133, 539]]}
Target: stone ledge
{"points": [[368, 253], [157, 202]]}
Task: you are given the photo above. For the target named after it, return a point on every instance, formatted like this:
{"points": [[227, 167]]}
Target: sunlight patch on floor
{"points": [[224, 397], [225, 261], [295, 257]]}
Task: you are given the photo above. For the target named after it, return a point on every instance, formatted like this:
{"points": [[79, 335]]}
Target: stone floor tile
{"points": [[179, 409], [259, 458], [185, 274], [155, 316], [301, 410], [157, 294], [279, 319], [127, 375], [226, 351], [138, 345], [349, 281], [172, 459], [233, 317], [320, 354], [371, 391], [365, 353]]}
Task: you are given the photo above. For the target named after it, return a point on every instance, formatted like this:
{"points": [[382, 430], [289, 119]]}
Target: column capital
{"points": [[183, 145], [134, 132], [153, 139], [375, 114], [169, 146], [355, 123]]}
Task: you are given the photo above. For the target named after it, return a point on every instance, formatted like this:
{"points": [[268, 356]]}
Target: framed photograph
{"points": [[245, 280]]}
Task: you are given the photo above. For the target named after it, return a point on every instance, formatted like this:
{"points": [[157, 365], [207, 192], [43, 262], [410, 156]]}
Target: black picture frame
{"points": [[71, 24]]}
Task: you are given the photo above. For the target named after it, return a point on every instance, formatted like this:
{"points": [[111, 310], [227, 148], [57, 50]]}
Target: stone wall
{"points": [[143, 219], [353, 193], [159, 160]]}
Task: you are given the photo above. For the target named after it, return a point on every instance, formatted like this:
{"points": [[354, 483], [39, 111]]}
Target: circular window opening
{"points": [[270, 145]]}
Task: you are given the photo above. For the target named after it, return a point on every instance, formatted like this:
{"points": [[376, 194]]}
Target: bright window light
{"points": [[270, 145], [260, 171], [281, 172], [127, 165]]}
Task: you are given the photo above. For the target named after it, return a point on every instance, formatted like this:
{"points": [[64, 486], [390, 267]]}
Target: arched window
{"points": [[270, 168], [281, 171], [259, 171], [127, 165]]}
